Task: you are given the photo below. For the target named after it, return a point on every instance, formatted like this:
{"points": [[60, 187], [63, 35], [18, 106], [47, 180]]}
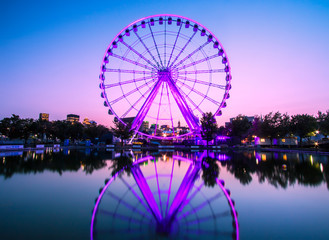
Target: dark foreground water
{"points": [[72, 195]]}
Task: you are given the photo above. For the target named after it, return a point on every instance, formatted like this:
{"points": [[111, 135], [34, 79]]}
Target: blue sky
{"points": [[51, 53]]}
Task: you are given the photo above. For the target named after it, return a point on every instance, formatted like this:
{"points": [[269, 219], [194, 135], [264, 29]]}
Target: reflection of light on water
{"points": [[223, 157], [3, 159], [263, 157], [311, 159], [321, 167], [285, 157], [284, 167]]}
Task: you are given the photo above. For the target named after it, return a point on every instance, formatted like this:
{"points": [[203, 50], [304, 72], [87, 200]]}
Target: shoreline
{"points": [[193, 148]]}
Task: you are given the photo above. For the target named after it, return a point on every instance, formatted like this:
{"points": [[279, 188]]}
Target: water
{"points": [[51, 195]]}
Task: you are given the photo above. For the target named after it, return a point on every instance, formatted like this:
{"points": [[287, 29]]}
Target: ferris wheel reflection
{"points": [[152, 199]]}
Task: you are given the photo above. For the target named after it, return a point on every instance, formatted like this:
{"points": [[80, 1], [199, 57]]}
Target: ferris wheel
{"points": [[165, 69]]}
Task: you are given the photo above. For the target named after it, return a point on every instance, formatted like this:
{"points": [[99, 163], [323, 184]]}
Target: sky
{"points": [[51, 53]]}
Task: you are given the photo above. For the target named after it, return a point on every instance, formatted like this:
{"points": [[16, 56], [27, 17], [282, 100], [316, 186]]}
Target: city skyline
{"points": [[51, 54]]}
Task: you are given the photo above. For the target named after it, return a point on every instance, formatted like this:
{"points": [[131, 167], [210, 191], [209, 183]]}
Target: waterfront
{"points": [[49, 195]]}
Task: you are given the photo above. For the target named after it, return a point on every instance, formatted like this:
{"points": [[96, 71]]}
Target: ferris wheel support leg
{"points": [[189, 117], [146, 192], [146, 107], [184, 189]]}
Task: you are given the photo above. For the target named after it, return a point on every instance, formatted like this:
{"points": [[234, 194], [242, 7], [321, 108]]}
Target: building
{"points": [[145, 125], [72, 118], [128, 120], [86, 121], [44, 117], [250, 119]]}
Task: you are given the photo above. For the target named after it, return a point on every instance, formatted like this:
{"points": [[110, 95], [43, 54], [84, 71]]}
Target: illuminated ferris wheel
{"points": [[163, 69]]}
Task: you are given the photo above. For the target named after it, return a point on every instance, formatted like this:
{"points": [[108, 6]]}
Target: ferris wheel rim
{"points": [[208, 33]]}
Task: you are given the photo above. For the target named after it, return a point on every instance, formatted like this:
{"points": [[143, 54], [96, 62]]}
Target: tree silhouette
{"points": [[323, 119], [303, 125], [210, 171], [239, 127], [208, 127], [122, 131]]}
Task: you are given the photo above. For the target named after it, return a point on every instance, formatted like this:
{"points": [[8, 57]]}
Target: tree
{"points": [[256, 128], [12, 127], [122, 131], [239, 127], [284, 125], [208, 127], [210, 171], [323, 121], [271, 125], [93, 131], [303, 125]]}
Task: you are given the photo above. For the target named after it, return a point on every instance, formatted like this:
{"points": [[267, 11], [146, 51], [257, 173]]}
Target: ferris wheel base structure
{"points": [[163, 69]]}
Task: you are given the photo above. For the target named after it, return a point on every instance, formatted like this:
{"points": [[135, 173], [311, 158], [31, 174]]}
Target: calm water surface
{"points": [[52, 195]]}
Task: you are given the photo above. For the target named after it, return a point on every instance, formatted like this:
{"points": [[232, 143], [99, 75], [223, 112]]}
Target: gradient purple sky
{"points": [[51, 52]]}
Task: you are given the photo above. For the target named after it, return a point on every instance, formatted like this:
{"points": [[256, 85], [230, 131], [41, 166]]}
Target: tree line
{"points": [[15, 127], [278, 125]]}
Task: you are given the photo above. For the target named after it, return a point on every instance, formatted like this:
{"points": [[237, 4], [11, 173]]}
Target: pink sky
{"points": [[51, 54]]}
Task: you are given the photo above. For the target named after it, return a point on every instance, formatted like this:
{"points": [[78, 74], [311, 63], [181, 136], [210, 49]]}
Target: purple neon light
{"points": [[197, 28]]}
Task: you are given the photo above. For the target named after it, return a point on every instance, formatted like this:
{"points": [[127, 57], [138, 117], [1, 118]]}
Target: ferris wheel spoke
{"points": [[127, 82], [187, 43], [203, 71], [165, 43], [156, 124], [184, 189], [169, 189], [200, 206], [191, 54], [127, 71], [192, 102], [172, 121], [172, 50], [131, 92], [133, 106], [146, 192], [136, 195], [118, 215], [199, 93], [131, 61], [155, 44], [159, 192], [147, 49], [202, 82], [197, 62], [139, 54], [127, 204]]}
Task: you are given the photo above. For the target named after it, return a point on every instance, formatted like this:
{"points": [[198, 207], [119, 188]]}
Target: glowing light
{"points": [[321, 167], [285, 157], [283, 140], [263, 157], [262, 140], [311, 159]]}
